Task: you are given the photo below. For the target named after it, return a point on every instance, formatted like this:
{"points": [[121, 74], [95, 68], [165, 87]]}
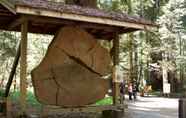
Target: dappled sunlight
{"points": [[143, 109], [157, 103], [154, 107]]}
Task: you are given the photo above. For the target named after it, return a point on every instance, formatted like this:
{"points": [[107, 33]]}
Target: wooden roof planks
{"points": [[50, 12]]}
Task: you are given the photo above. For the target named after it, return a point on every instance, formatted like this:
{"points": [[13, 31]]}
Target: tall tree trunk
{"points": [[6, 70], [147, 72], [136, 61], [3, 77], [131, 69], [171, 76], [131, 50], [140, 75], [165, 76], [166, 72], [184, 67], [181, 66], [85, 3]]}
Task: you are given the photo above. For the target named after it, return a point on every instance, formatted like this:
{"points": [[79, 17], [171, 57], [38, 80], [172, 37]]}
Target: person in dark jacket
{"points": [[122, 92], [134, 90]]}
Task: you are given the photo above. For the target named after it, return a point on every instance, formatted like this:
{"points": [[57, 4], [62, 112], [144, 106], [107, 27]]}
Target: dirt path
{"points": [[153, 107]]}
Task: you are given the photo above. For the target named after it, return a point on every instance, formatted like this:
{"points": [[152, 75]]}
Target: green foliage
{"points": [[31, 99], [8, 43], [172, 31], [105, 101], [114, 5], [1, 92]]}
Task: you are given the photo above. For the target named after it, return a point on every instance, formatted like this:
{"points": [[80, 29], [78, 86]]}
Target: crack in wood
{"points": [[78, 61]]}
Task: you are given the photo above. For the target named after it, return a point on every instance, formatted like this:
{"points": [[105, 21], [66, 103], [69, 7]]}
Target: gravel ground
{"points": [[153, 107]]}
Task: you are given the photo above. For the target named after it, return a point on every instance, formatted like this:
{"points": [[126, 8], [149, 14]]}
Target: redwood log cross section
{"points": [[74, 77]]}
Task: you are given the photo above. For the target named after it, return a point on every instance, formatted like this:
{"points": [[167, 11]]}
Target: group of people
{"points": [[132, 90]]}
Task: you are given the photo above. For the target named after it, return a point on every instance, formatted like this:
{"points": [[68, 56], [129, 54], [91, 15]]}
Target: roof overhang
{"points": [[8, 5], [77, 17], [50, 20]]}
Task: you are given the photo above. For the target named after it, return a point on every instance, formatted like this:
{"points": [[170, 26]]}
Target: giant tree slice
{"points": [[66, 80], [81, 45]]}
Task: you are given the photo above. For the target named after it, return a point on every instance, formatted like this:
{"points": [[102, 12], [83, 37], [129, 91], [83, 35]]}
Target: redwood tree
{"points": [[85, 3]]}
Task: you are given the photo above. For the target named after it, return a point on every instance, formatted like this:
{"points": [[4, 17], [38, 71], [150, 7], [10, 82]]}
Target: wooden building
{"points": [[40, 16]]}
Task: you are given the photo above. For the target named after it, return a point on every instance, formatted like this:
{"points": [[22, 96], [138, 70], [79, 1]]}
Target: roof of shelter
{"points": [[44, 8], [74, 9]]}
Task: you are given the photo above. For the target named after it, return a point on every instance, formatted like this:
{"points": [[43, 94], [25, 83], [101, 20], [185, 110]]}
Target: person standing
{"points": [[122, 92], [130, 91], [134, 90]]}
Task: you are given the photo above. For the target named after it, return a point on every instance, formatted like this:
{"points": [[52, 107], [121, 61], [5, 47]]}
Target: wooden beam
{"points": [[4, 10], [83, 18], [49, 20], [12, 73], [70, 22], [8, 5], [23, 65], [15, 23], [5, 14], [99, 27]]}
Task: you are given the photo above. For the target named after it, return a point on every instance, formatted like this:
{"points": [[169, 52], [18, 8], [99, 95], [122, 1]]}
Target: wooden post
{"points": [[12, 73], [23, 65], [116, 63], [182, 108], [119, 113], [8, 108]]}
